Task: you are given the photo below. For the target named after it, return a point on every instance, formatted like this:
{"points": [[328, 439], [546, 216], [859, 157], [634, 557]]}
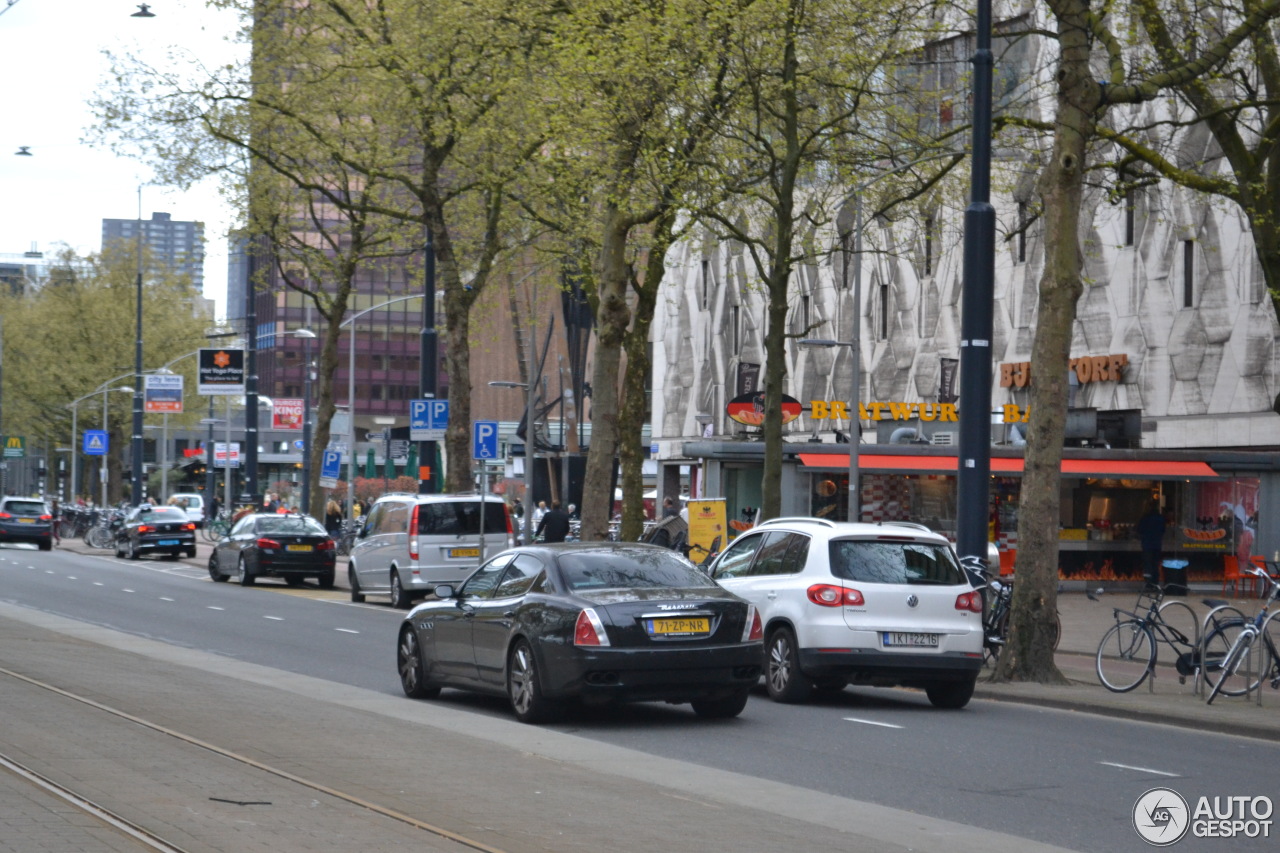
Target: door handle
{"points": [[510, 614]]}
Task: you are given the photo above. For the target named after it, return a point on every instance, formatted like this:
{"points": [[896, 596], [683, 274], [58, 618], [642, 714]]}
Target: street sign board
{"points": [[220, 454], [330, 468], [428, 419], [399, 449], [162, 392], [221, 371], [286, 413], [375, 436], [340, 424], [15, 446], [484, 440], [96, 442]]}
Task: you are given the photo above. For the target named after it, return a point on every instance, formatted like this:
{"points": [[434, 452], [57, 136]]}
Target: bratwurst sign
{"points": [[221, 371]]}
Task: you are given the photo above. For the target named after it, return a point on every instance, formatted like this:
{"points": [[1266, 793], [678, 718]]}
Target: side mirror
{"points": [[444, 591]]}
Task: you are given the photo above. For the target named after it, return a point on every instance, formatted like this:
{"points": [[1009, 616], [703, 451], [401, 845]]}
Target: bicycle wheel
{"points": [[1225, 663], [1125, 656]]}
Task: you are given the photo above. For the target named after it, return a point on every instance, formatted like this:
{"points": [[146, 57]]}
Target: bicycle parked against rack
{"points": [[216, 528], [1128, 651], [1234, 678], [103, 532], [347, 536]]}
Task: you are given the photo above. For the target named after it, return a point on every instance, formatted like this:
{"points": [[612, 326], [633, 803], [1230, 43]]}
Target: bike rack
{"points": [[1265, 653], [1211, 616], [1151, 686]]}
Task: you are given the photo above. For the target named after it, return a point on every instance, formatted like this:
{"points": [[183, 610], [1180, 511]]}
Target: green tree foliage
{"points": [[77, 331]]}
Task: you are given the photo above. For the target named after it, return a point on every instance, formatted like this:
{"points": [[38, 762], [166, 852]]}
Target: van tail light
{"points": [[146, 528], [589, 630], [971, 601], [829, 595], [267, 544], [326, 545], [413, 534], [753, 629], [5, 515]]}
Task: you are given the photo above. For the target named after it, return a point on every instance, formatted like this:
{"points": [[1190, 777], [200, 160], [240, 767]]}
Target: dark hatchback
{"points": [[292, 547], [26, 520], [597, 622], [164, 530]]}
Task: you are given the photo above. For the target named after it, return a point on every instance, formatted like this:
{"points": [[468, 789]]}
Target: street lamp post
{"points": [[135, 496], [307, 337], [103, 473], [530, 389]]}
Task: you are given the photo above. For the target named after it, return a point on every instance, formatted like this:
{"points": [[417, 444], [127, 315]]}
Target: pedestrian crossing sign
{"points": [[95, 442], [15, 446]]}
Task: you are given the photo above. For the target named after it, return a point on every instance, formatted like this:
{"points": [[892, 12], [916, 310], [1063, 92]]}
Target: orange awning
{"points": [[1136, 469]]}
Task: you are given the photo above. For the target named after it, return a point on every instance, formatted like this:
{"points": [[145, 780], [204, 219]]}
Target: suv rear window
{"points": [[25, 508], [461, 518], [877, 561]]}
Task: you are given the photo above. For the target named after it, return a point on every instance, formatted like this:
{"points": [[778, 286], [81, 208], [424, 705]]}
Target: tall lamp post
{"points": [[135, 496], [103, 475], [530, 390], [307, 337]]}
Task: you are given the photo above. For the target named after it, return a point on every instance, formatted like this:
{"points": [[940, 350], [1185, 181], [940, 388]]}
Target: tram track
{"points": [[154, 840]]}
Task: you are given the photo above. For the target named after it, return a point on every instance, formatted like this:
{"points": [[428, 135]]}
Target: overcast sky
{"points": [[51, 62]]}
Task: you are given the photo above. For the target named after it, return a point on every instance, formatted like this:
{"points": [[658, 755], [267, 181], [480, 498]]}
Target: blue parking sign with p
{"points": [[331, 464], [484, 440]]}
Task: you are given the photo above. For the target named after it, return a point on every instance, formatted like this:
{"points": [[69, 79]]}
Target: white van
{"points": [[409, 544], [193, 502]]}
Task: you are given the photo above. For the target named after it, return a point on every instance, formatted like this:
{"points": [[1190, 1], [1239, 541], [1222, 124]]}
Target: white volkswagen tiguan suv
{"points": [[877, 604]]}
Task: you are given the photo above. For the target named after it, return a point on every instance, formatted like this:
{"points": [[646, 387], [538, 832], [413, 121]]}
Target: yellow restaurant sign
{"points": [[838, 410]]}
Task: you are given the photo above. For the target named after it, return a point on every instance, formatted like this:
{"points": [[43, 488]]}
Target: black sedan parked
{"points": [[155, 530], [597, 622], [293, 547]]}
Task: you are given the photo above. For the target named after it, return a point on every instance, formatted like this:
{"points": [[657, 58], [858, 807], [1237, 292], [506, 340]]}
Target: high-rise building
{"points": [[173, 246]]}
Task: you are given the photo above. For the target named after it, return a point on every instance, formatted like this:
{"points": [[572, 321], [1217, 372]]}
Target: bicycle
{"points": [[103, 532], [217, 527], [346, 537], [1244, 634], [995, 619], [1128, 651]]}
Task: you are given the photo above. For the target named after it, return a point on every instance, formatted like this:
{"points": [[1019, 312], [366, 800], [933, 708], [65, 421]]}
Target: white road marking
{"points": [[95, 583], [873, 723], [72, 578], [211, 607], [1139, 769], [274, 618], [162, 598], [46, 571], [346, 630], [127, 590]]}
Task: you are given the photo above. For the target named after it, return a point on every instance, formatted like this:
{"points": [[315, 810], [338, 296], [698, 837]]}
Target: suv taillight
{"points": [[413, 534], [589, 630], [326, 545], [971, 601], [828, 595], [753, 630]]}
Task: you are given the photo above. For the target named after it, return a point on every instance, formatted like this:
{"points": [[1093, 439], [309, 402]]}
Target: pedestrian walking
{"points": [[539, 512], [669, 508], [333, 518], [55, 512], [1151, 533], [554, 526]]}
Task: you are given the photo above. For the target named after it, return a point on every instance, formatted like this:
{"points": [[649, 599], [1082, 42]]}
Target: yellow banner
{"points": [[707, 527]]}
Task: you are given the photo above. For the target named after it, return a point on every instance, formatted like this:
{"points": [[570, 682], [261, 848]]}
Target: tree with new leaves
{"points": [[77, 331], [1086, 40]]}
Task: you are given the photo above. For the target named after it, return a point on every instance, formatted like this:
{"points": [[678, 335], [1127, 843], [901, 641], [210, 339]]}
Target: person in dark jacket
{"points": [[554, 526], [1150, 530]]}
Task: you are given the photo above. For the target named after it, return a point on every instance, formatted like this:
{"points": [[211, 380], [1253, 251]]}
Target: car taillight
{"points": [[753, 629], [327, 545], [146, 528], [189, 526], [268, 544], [589, 631], [828, 595], [413, 534], [5, 515], [46, 518], [971, 601]]}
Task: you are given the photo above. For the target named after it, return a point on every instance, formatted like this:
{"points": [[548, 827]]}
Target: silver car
{"points": [[408, 544]]}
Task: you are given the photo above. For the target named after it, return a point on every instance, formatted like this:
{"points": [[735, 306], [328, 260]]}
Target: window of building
{"points": [[735, 330], [882, 311], [1188, 273], [706, 284], [1022, 232], [1130, 216], [928, 246], [804, 313]]}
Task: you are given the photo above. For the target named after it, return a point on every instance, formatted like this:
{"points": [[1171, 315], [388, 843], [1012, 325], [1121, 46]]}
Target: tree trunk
{"points": [[612, 318], [1028, 656], [326, 368]]}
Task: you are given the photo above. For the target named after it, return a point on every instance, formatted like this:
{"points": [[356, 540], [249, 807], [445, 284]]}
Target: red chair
{"points": [[1007, 559], [1231, 574]]}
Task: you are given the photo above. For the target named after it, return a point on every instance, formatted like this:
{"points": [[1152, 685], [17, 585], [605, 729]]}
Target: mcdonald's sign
{"points": [[15, 446]]}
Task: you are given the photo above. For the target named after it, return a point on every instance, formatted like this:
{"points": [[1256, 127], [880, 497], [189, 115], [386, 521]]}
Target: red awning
{"points": [[1137, 469]]}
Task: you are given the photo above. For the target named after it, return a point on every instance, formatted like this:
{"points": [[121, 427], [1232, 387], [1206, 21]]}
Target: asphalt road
{"points": [[1061, 778]]}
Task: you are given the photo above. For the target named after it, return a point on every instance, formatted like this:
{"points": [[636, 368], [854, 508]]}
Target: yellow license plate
{"points": [[679, 626], [26, 521], [297, 547], [464, 552]]}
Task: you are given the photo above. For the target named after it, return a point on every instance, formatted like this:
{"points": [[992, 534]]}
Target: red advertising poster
{"points": [[286, 414], [748, 409]]}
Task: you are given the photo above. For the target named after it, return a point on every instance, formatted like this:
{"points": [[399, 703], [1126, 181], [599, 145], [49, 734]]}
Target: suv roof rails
{"points": [[795, 518], [915, 524]]}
